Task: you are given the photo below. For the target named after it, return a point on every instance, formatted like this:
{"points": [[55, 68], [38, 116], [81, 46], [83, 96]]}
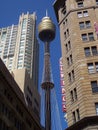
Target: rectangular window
{"points": [[91, 68], [94, 86], [64, 9], [67, 32], [73, 76], [96, 65], [71, 60], [91, 36], [69, 77], [72, 97], [87, 51], [75, 93], [68, 61], [85, 13], [78, 115], [80, 4], [94, 50], [96, 107], [3, 36], [96, 2], [88, 24], [84, 37], [82, 25], [69, 45], [80, 15], [74, 117], [65, 35]]}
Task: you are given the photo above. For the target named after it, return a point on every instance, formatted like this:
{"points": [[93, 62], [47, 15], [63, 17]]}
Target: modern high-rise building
{"points": [[78, 23], [19, 50], [19, 47]]}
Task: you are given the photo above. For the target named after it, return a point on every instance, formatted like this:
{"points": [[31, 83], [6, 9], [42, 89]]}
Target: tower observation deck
{"points": [[47, 31]]}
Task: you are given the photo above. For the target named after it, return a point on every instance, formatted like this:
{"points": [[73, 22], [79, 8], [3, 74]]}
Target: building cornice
{"points": [[57, 4], [70, 11]]}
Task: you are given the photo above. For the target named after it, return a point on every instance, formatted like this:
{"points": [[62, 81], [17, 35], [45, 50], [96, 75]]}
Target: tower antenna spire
{"points": [[46, 13]]}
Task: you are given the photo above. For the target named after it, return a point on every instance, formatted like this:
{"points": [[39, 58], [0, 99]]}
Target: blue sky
{"points": [[10, 11]]}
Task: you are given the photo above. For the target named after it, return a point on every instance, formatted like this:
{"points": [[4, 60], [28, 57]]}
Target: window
{"points": [[78, 115], [96, 2], [82, 25], [88, 37], [91, 36], [65, 35], [94, 86], [73, 94], [84, 37], [71, 76], [80, 4], [64, 23], [94, 50], [29, 100], [87, 51], [64, 9], [88, 24], [69, 45], [3, 36], [74, 117], [85, 13], [91, 68], [72, 97], [67, 32], [80, 15], [69, 60], [29, 91], [96, 107], [91, 51], [96, 65]]}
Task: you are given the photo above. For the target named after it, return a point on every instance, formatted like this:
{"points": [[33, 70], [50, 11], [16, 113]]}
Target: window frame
{"points": [[96, 108], [94, 86], [80, 4], [91, 68], [84, 37]]}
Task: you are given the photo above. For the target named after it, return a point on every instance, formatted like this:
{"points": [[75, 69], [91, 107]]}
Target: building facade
{"points": [[19, 50], [15, 113], [78, 23], [19, 47]]}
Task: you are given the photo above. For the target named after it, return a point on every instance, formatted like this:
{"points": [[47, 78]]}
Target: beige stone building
{"points": [[78, 24]]}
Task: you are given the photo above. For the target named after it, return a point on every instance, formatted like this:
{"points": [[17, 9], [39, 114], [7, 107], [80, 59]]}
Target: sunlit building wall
{"points": [[78, 23]]}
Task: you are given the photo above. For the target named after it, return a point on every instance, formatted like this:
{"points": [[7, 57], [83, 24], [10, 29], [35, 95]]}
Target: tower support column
{"points": [[47, 109]]}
